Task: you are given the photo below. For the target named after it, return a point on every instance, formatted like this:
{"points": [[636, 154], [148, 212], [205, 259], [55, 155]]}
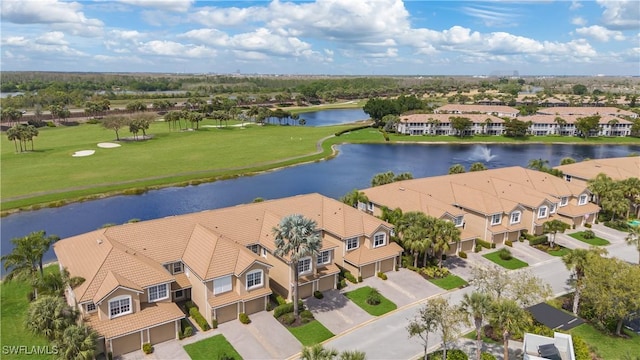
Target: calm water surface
{"points": [[333, 117], [352, 168]]}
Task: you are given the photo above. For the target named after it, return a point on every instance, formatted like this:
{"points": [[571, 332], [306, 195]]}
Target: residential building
{"points": [[538, 347], [620, 168], [440, 124], [495, 205], [223, 260], [495, 110], [586, 111]]}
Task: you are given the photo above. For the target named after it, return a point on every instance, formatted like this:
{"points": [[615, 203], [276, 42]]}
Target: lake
{"points": [[333, 117], [353, 168]]}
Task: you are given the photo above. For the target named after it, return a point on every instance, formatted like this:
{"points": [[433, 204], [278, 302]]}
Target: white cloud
{"points": [[165, 5], [575, 5], [175, 49], [580, 21], [620, 14], [492, 16], [600, 33], [60, 15], [52, 38], [15, 41]]}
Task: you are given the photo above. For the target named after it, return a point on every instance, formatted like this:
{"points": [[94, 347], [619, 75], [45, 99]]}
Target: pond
{"points": [[333, 117], [353, 168]]}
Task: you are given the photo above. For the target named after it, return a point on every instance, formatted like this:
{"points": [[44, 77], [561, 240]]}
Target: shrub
{"points": [[350, 277], [359, 278], [286, 308], [487, 356], [508, 243], [37, 123], [462, 254], [50, 124], [147, 348], [189, 304], [280, 300], [269, 306], [244, 318], [214, 323], [588, 234], [180, 335], [453, 354], [188, 331], [434, 272], [587, 225], [202, 322], [617, 224], [352, 129], [382, 276], [288, 318], [342, 284], [318, 294], [484, 244], [93, 121], [580, 348], [306, 316], [478, 248], [374, 297], [505, 254], [537, 240]]}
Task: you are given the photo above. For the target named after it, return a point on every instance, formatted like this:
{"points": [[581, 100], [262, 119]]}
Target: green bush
{"points": [[202, 322], [269, 306], [505, 254], [51, 124], [180, 334], [453, 354], [580, 348], [359, 278], [188, 331], [318, 294], [342, 284], [478, 248], [537, 240], [352, 129], [434, 272], [286, 308], [508, 243], [587, 225], [306, 316], [214, 323], [588, 234], [487, 356], [188, 305], [147, 348], [244, 318], [462, 254], [280, 300], [617, 224], [349, 276], [382, 276], [288, 318], [484, 244], [374, 297]]}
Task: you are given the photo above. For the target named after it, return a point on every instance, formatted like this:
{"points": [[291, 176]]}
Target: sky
{"points": [[336, 37]]}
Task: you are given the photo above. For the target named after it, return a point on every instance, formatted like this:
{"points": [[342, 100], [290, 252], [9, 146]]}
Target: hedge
{"points": [[484, 244], [352, 129], [202, 322], [286, 308], [537, 240]]}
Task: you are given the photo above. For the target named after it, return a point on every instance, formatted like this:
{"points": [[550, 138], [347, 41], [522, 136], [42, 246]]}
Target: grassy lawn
{"points": [[606, 346], [560, 251], [12, 314], [513, 263], [449, 282], [486, 340], [595, 241], [212, 348], [359, 297], [311, 333]]}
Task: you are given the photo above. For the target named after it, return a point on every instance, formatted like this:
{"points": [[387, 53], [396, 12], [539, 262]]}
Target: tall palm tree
{"points": [[296, 237], [508, 318], [354, 197], [414, 230], [538, 164], [633, 238], [478, 305], [318, 352], [631, 190], [78, 342], [443, 234], [602, 185], [49, 316], [553, 227], [13, 134]]}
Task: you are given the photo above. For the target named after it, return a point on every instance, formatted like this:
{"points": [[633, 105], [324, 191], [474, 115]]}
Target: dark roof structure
{"points": [[554, 318]]}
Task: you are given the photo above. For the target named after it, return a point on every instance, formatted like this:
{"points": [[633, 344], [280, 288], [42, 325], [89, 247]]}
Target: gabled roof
{"points": [[112, 282], [616, 168]]}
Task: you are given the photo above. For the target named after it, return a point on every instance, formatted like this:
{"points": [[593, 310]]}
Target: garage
{"points": [[367, 271], [327, 283], [126, 344], [254, 306], [306, 290], [513, 236], [453, 249], [467, 246], [226, 313], [163, 333], [387, 265]]}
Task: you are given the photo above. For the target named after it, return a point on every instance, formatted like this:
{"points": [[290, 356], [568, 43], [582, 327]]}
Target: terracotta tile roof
{"points": [[616, 168], [233, 297], [410, 200], [364, 255], [111, 282], [329, 269], [462, 108], [182, 282], [570, 119], [585, 111], [446, 118], [150, 315], [574, 210]]}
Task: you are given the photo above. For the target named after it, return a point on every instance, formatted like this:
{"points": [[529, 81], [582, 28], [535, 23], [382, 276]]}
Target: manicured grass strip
{"points": [[359, 297], [596, 241], [561, 251], [607, 346], [449, 282], [311, 333], [215, 347], [12, 315], [513, 263], [485, 339]]}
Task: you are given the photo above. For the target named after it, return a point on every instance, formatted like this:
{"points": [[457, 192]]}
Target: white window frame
{"points": [[375, 239], [118, 300], [180, 267], [95, 308], [494, 217], [564, 201], [305, 264], [515, 213], [552, 208], [585, 201], [157, 289], [542, 209], [264, 253], [370, 206], [458, 220], [224, 285], [252, 275], [320, 259], [349, 240]]}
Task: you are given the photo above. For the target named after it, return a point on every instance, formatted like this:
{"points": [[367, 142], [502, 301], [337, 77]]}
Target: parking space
{"points": [[403, 287], [336, 312], [529, 254], [460, 267]]}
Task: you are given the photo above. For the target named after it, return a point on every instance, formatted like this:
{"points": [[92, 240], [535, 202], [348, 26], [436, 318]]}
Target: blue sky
{"points": [[341, 37]]}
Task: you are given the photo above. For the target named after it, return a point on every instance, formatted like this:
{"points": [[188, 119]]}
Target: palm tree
{"points": [[601, 186], [444, 233], [456, 169], [508, 318], [478, 166], [538, 164], [296, 237], [354, 197], [633, 238], [318, 352], [561, 123], [576, 260], [414, 229], [478, 306], [49, 316], [631, 190], [353, 355], [567, 161], [56, 282], [553, 227], [13, 134], [78, 342]]}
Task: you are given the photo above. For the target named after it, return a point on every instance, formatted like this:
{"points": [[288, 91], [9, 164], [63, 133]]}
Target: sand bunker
{"points": [[108, 145], [83, 153]]}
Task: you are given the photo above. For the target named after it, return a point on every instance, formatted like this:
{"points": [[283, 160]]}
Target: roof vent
{"points": [[401, 189], [99, 241]]}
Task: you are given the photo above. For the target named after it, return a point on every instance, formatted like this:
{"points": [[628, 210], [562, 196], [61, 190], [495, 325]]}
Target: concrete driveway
{"points": [[460, 267], [336, 312], [263, 338], [529, 254], [403, 287]]}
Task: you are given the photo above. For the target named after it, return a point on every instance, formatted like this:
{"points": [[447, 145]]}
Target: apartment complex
{"points": [[494, 205], [223, 260]]}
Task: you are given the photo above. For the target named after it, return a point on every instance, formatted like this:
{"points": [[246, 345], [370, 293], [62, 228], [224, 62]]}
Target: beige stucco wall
{"points": [[198, 291], [280, 274], [240, 283], [103, 307], [144, 298], [476, 223]]}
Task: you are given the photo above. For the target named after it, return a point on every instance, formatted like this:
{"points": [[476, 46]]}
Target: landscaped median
{"points": [[304, 327], [371, 301], [215, 347], [590, 238], [449, 282], [504, 258]]}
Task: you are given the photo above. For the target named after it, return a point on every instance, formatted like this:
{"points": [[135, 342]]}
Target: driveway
{"points": [[403, 287], [263, 338], [336, 312], [460, 267], [529, 254]]}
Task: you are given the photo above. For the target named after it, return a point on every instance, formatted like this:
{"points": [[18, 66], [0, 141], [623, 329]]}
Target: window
{"points": [[91, 307], [352, 243], [254, 279], [542, 212], [583, 199], [177, 268], [458, 220], [222, 285], [324, 257], [496, 219], [158, 292], [567, 177], [515, 217], [304, 266], [179, 294], [370, 206], [564, 201], [120, 306], [264, 253], [552, 209], [379, 239], [255, 248]]}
